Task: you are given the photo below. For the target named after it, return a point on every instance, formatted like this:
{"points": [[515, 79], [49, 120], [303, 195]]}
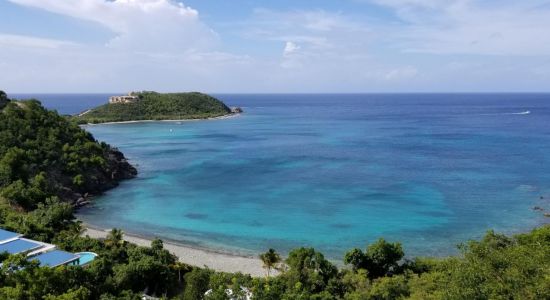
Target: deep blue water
{"points": [[332, 171]]}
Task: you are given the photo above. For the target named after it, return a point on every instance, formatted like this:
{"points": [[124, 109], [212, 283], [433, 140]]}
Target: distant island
{"points": [[141, 106]]}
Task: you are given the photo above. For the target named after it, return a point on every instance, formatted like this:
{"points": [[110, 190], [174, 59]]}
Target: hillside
{"points": [[3, 99], [157, 106], [42, 154]]}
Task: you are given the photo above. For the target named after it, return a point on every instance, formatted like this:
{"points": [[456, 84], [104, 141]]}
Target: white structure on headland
{"points": [[130, 98]]}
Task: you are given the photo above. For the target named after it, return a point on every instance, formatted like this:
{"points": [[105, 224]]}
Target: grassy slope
{"points": [[156, 106]]}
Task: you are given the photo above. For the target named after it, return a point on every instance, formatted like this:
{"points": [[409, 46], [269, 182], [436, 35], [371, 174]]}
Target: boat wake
{"points": [[527, 112], [521, 113]]}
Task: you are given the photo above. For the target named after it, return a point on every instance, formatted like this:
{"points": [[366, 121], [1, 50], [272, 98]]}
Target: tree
{"points": [[389, 288], [196, 284], [271, 260], [381, 258], [309, 269], [3, 99], [80, 294], [3, 96], [356, 258], [181, 267], [115, 238]]}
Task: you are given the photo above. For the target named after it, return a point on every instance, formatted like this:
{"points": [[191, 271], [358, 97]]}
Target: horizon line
{"points": [[290, 93]]}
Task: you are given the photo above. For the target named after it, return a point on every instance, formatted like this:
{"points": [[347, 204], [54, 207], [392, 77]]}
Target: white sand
{"points": [[231, 115], [196, 257]]}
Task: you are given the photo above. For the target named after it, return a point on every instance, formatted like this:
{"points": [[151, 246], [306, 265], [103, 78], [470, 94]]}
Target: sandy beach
{"points": [[196, 257], [231, 115]]}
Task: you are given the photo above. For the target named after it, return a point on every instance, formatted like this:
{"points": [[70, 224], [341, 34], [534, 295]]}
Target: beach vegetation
{"points": [[381, 258], [271, 260]]}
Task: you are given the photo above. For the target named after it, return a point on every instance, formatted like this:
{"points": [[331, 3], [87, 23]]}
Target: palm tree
{"points": [[271, 260], [179, 266], [115, 238]]}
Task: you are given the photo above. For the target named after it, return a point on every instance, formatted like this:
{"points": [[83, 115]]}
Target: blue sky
{"points": [[275, 46]]}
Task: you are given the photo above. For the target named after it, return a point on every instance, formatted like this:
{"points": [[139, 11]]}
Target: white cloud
{"points": [[311, 37], [156, 44], [141, 25], [290, 48], [164, 45], [471, 27], [401, 73], [20, 41], [291, 56], [318, 28]]}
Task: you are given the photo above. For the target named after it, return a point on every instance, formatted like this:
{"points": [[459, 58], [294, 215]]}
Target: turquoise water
{"points": [[335, 172], [85, 258]]}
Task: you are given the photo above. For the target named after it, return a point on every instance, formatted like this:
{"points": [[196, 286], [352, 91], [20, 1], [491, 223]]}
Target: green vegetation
{"points": [[271, 260], [156, 106], [3, 99], [380, 259], [496, 267], [43, 155]]}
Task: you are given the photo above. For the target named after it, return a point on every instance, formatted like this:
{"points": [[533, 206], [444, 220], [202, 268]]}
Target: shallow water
{"points": [[335, 172]]}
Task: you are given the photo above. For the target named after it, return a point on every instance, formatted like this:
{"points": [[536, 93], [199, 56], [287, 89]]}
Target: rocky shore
{"points": [[118, 169]]}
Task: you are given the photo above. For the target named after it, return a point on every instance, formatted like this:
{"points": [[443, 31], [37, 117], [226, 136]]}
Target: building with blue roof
{"points": [[19, 245], [45, 254], [56, 258], [6, 236]]}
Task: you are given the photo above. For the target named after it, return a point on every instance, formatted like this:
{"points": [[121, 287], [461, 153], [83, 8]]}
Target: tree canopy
{"points": [[43, 155]]}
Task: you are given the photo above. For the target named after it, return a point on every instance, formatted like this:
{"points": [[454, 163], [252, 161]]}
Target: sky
{"points": [[284, 46]]}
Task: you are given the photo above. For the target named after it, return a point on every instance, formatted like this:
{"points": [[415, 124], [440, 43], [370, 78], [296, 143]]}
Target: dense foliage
{"points": [[157, 106], [496, 267], [43, 155], [3, 99]]}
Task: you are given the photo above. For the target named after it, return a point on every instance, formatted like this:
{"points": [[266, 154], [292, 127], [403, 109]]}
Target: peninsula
{"points": [[44, 155], [141, 106]]}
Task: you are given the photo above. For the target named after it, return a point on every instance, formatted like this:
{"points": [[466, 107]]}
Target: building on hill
{"points": [[130, 98], [46, 254]]}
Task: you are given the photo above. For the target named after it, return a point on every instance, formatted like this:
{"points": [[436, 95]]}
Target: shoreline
{"points": [[194, 256], [188, 254], [228, 116]]}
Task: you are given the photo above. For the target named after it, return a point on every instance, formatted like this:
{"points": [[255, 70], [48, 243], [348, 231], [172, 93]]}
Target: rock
{"points": [[236, 110], [538, 208], [81, 202]]}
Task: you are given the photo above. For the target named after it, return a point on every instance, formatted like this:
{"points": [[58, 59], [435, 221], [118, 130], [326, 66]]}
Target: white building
{"points": [[130, 98]]}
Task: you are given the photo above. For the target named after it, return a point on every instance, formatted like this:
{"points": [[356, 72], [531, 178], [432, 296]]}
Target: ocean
{"points": [[331, 171]]}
